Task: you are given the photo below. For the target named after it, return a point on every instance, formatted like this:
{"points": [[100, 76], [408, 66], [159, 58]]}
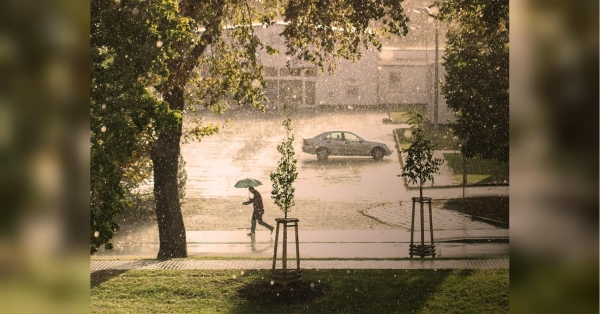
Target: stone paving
{"points": [[96, 265], [229, 214], [443, 219]]}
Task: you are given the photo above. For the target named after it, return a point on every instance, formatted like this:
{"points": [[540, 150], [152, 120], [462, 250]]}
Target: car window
{"points": [[351, 137], [334, 136]]}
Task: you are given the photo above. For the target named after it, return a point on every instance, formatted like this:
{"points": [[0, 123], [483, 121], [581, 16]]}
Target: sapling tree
{"points": [[420, 164], [285, 175]]}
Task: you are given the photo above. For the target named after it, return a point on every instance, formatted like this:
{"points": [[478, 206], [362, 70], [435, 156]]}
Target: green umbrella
{"points": [[246, 183]]}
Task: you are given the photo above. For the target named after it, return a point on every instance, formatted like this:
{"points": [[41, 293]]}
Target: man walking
{"points": [[259, 210]]}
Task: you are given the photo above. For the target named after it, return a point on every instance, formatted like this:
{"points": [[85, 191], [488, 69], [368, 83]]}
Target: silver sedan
{"points": [[343, 143]]}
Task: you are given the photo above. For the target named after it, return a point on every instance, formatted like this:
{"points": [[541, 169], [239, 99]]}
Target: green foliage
{"points": [[139, 200], [490, 171], [124, 112], [286, 174], [476, 63], [322, 31], [145, 53], [420, 164], [140, 208]]}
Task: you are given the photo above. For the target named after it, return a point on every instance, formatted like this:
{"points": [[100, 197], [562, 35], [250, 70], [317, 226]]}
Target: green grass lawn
{"points": [[478, 170], [322, 291], [441, 137], [399, 116], [490, 207]]}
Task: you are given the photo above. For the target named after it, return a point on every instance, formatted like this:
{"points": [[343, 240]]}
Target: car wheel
{"points": [[322, 153], [378, 153]]}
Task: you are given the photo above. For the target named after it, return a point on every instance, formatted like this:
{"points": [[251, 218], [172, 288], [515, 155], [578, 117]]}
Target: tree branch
{"points": [[181, 68]]}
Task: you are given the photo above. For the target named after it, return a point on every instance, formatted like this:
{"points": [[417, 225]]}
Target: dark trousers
{"points": [[257, 216]]}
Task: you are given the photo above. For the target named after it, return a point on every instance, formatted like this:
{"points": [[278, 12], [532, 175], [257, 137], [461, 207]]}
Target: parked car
{"points": [[343, 143]]}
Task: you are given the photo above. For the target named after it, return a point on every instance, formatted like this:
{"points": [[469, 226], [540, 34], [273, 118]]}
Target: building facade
{"points": [[392, 77]]}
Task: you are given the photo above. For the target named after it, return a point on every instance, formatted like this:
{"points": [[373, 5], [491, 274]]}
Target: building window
{"points": [[352, 88], [271, 71], [309, 93], [395, 80], [285, 71], [312, 71], [296, 71], [352, 91], [271, 92], [290, 93]]}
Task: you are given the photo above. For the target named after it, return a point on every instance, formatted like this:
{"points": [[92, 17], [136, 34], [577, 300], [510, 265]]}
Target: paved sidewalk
{"points": [[366, 244], [443, 219], [305, 264], [96, 265]]}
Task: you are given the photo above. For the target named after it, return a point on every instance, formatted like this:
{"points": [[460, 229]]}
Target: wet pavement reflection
{"points": [[248, 148]]}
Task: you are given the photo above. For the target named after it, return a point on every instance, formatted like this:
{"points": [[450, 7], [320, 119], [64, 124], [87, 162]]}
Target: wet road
{"points": [[248, 148]]}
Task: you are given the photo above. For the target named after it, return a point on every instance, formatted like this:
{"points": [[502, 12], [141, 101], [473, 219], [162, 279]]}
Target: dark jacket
{"points": [[256, 202]]}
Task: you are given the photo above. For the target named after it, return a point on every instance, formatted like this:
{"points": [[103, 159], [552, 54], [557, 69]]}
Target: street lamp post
{"points": [[436, 85], [430, 12]]}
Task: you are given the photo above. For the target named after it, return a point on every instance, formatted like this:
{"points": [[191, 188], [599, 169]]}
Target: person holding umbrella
{"points": [[258, 212]]}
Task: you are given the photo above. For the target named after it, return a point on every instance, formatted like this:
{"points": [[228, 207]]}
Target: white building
{"points": [[393, 77]]}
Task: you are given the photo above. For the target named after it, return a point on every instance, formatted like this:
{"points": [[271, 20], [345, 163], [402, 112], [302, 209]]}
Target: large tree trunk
{"points": [[165, 154]]}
